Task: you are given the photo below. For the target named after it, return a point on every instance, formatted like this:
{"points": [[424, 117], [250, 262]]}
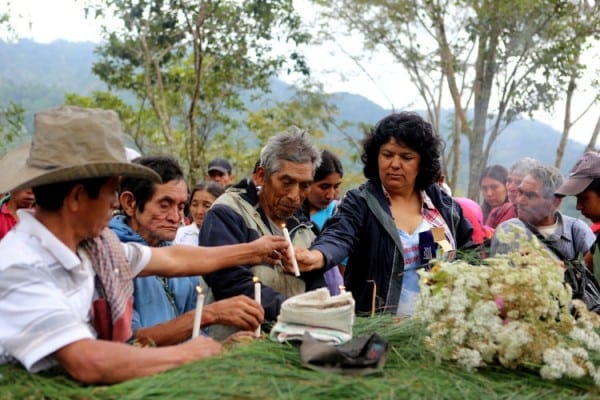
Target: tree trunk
{"points": [[560, 150], [592, 144]]}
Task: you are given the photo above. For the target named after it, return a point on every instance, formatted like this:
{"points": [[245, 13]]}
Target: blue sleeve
{"points": [[186, 295], [223, 226], [341, 232], [136, 322]]}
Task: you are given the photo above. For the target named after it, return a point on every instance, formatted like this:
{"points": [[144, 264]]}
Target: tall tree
{"points": [[494, 57], [12, 124], [189, 62], [12, 115], [582, 31]]}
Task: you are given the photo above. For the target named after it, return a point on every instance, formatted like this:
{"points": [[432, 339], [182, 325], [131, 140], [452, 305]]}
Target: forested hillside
{"points": [[37, 76]]}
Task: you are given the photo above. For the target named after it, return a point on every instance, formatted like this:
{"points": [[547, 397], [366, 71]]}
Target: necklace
{"points": [[168, 292]]}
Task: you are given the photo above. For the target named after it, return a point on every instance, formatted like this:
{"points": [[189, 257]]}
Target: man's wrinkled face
{"points": [[283, 192], [162, 214], [95, 214], [532, 207]]}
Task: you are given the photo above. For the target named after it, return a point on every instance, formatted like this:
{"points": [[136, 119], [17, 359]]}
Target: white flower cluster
{"points": [[513, 311]]}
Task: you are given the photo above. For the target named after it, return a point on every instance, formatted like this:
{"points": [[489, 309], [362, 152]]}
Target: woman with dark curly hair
{"points": [[388, 227]]}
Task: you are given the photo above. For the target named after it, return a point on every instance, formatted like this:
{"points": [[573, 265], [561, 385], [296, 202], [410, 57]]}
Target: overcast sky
{"points": [[49, 20]]}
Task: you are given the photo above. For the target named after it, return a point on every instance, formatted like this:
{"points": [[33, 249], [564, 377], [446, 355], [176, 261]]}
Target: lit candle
{"points": [[198, 314], [291, 253], [342, 289], [257, 299]]}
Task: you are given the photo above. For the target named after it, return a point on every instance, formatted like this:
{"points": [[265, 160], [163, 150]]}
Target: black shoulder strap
{"points": [[545, 241]]}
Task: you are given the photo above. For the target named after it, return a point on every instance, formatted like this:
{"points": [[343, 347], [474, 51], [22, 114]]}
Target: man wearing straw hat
{"points": [[62, 270]]}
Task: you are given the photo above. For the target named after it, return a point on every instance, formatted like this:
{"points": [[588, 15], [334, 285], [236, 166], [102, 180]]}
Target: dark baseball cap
{"points": [[219, 164], [584, 172]]}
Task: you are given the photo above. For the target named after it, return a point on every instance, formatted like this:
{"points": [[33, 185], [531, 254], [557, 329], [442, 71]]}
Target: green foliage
{"points": [[499, 58], [7, 31], [39, 74], [269, 370], [12, 124], [189, 61]]}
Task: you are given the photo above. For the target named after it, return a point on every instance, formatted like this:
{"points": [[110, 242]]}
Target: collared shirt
{"points": [[46, 293], [571, 238], [187, 235], [412, 261], [430, 214]]}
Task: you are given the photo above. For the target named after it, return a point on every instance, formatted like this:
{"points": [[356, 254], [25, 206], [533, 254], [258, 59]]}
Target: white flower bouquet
{"points": [[514, 311]]}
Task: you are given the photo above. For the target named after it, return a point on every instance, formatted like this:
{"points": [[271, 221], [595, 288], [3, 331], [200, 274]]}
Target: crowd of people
{"points": [[102, 256]]}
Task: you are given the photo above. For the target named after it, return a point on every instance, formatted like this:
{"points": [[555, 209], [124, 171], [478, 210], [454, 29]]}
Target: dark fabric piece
{"points": [[364, 355], [584, 284]]}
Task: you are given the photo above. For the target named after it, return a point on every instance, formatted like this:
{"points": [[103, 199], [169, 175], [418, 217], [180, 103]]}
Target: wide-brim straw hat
{"points": [[70, 143]]}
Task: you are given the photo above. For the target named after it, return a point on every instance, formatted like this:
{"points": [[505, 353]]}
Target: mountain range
{"points": [[37, 75]]}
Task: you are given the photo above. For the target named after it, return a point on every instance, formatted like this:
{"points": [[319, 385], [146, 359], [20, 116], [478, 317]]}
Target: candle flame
{"points": [[199, 290], [283, 226], [255, 279], [342, 288]]}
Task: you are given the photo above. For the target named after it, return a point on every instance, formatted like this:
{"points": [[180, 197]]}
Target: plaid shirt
{"points": [[430, 214]]}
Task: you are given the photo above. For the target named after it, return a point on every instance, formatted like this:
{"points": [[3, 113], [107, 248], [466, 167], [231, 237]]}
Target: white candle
{"points": [[342, 289], [198, 314], [291, 253], [257, 299]]}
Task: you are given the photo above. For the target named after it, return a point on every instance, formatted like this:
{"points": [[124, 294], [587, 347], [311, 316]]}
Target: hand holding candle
{"points": [[257, 298], [290, 250], [198, 314]]}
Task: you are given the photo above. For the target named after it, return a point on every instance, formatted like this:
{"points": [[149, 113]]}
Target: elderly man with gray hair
{"points": [[537, 214], [263, 206]]}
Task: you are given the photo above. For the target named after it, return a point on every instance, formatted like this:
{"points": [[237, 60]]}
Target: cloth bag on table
{"points": [[327, 318]]}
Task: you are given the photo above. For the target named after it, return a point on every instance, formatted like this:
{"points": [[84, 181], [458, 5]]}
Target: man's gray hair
{"points": [[294, 145], [523, 166], [550, 177]]}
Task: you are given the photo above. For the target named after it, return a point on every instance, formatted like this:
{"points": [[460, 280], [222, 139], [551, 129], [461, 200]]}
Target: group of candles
{"points": [[257, 289], [200, 304]]}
